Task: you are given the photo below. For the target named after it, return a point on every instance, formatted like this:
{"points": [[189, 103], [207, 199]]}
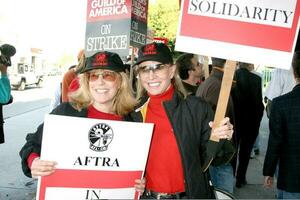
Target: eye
{"points": [[109, 76], [93, 77], [159, 67]]}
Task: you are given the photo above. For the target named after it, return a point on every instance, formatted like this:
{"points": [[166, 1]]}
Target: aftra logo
{"points": [[150, 49], [100, 59], [100, 136]]}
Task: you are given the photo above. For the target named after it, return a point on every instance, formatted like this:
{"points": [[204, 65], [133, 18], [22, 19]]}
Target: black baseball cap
{"points": [[154, 52], [104, 60]]}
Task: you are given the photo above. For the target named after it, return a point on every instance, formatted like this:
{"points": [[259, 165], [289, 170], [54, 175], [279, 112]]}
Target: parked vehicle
{"points": [[25, 75]]}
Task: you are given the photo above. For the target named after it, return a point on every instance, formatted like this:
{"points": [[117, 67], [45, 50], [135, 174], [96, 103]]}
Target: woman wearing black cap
{"points": [[182, 140], [104, 93]]}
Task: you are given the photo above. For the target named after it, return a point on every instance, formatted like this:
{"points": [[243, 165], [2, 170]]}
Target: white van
{"points": [[25, 75]]}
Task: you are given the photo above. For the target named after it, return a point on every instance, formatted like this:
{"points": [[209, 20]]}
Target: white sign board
{"points": [[97, 159], [256, 31]]}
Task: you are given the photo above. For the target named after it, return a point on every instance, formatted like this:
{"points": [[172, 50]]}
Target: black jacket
{"points": [[189, 119], [284, 140], [2, 140], [247, 99]]}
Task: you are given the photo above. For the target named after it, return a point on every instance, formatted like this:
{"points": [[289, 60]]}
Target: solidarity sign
{"points": [[97, 159], [256, 31]]}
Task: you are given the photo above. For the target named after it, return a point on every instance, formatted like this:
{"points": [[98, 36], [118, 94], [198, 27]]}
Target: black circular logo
{"points": [[100, 136]]}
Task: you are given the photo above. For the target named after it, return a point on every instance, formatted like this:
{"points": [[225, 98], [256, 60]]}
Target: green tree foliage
{"points": [[163, 18]]}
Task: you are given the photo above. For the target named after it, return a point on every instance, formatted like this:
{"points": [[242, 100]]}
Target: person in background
{"points": [[281, 83], [256, 146], [4, 97], [4, 85], [221, 176], [104, 93], [190, 72], [56, 97], [183, 145], [248, 110], [71, 80], [284, 140], [70, 75], [7, 51]]}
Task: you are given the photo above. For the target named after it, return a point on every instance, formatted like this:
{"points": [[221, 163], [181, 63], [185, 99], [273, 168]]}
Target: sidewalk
{"points": [[254, 189]]}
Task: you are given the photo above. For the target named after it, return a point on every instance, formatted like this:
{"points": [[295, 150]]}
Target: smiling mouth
{"points": [[155, 84], [101, 91]]}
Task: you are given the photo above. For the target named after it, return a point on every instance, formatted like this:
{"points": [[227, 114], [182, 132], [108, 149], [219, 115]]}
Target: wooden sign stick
{"points": [[224, 94], [206, 67], [131, 74]]}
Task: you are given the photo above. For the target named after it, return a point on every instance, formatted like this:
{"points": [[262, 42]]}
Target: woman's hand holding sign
{"points": [[42, 167]]}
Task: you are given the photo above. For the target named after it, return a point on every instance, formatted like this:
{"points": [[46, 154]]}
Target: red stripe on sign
{"points": [[106, 10], [89, 179], [243, 33]]}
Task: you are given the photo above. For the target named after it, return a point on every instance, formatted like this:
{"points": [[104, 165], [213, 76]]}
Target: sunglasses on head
{"points": [[152, 67], [110, 76]]}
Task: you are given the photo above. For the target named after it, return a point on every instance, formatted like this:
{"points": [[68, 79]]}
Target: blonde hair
{"points": [[123, 102], [176, 81], [81, 63]]}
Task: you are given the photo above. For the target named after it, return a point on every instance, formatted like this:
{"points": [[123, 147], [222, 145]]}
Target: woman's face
{"points": [[155, 77], [104, 85]]}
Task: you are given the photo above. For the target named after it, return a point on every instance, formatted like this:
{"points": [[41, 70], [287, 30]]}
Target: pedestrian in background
{"points": [[248, 110], [70, 75], [4, 85], [222, 176], [284, 140], [282, 82], [190, 71], [7, 51]]}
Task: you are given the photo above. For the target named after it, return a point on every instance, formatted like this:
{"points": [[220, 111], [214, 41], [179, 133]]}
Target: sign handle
{"points": [[131, 68], [224, 94], [206, 67]]}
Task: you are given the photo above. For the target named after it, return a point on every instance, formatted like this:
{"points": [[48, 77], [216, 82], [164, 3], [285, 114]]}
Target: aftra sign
{"points": [[254, 31], [96, 159]]}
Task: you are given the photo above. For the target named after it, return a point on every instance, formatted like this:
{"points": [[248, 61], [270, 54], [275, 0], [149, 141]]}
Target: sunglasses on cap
{"points": [[155, 68], [110, 76]]}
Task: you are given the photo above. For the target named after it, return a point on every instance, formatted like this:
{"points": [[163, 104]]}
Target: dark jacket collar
{"points": [[297, 87]]}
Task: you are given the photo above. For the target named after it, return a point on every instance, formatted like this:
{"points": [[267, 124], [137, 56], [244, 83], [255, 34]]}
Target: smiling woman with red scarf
{"points": [[183, 145]]}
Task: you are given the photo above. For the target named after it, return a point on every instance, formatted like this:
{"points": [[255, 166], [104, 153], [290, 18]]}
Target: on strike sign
{"points": [[256, 31], [115, 25]]}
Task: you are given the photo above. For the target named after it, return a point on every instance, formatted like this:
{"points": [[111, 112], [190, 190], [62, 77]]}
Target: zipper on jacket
{"points": [[180, 149]]}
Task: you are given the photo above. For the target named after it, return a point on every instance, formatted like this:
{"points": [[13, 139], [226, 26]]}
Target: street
{"points": [[27, 111], [22, 117]]}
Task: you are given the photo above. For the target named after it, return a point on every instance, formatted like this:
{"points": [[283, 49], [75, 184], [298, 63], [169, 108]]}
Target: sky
{"points": [[56, 26]]}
